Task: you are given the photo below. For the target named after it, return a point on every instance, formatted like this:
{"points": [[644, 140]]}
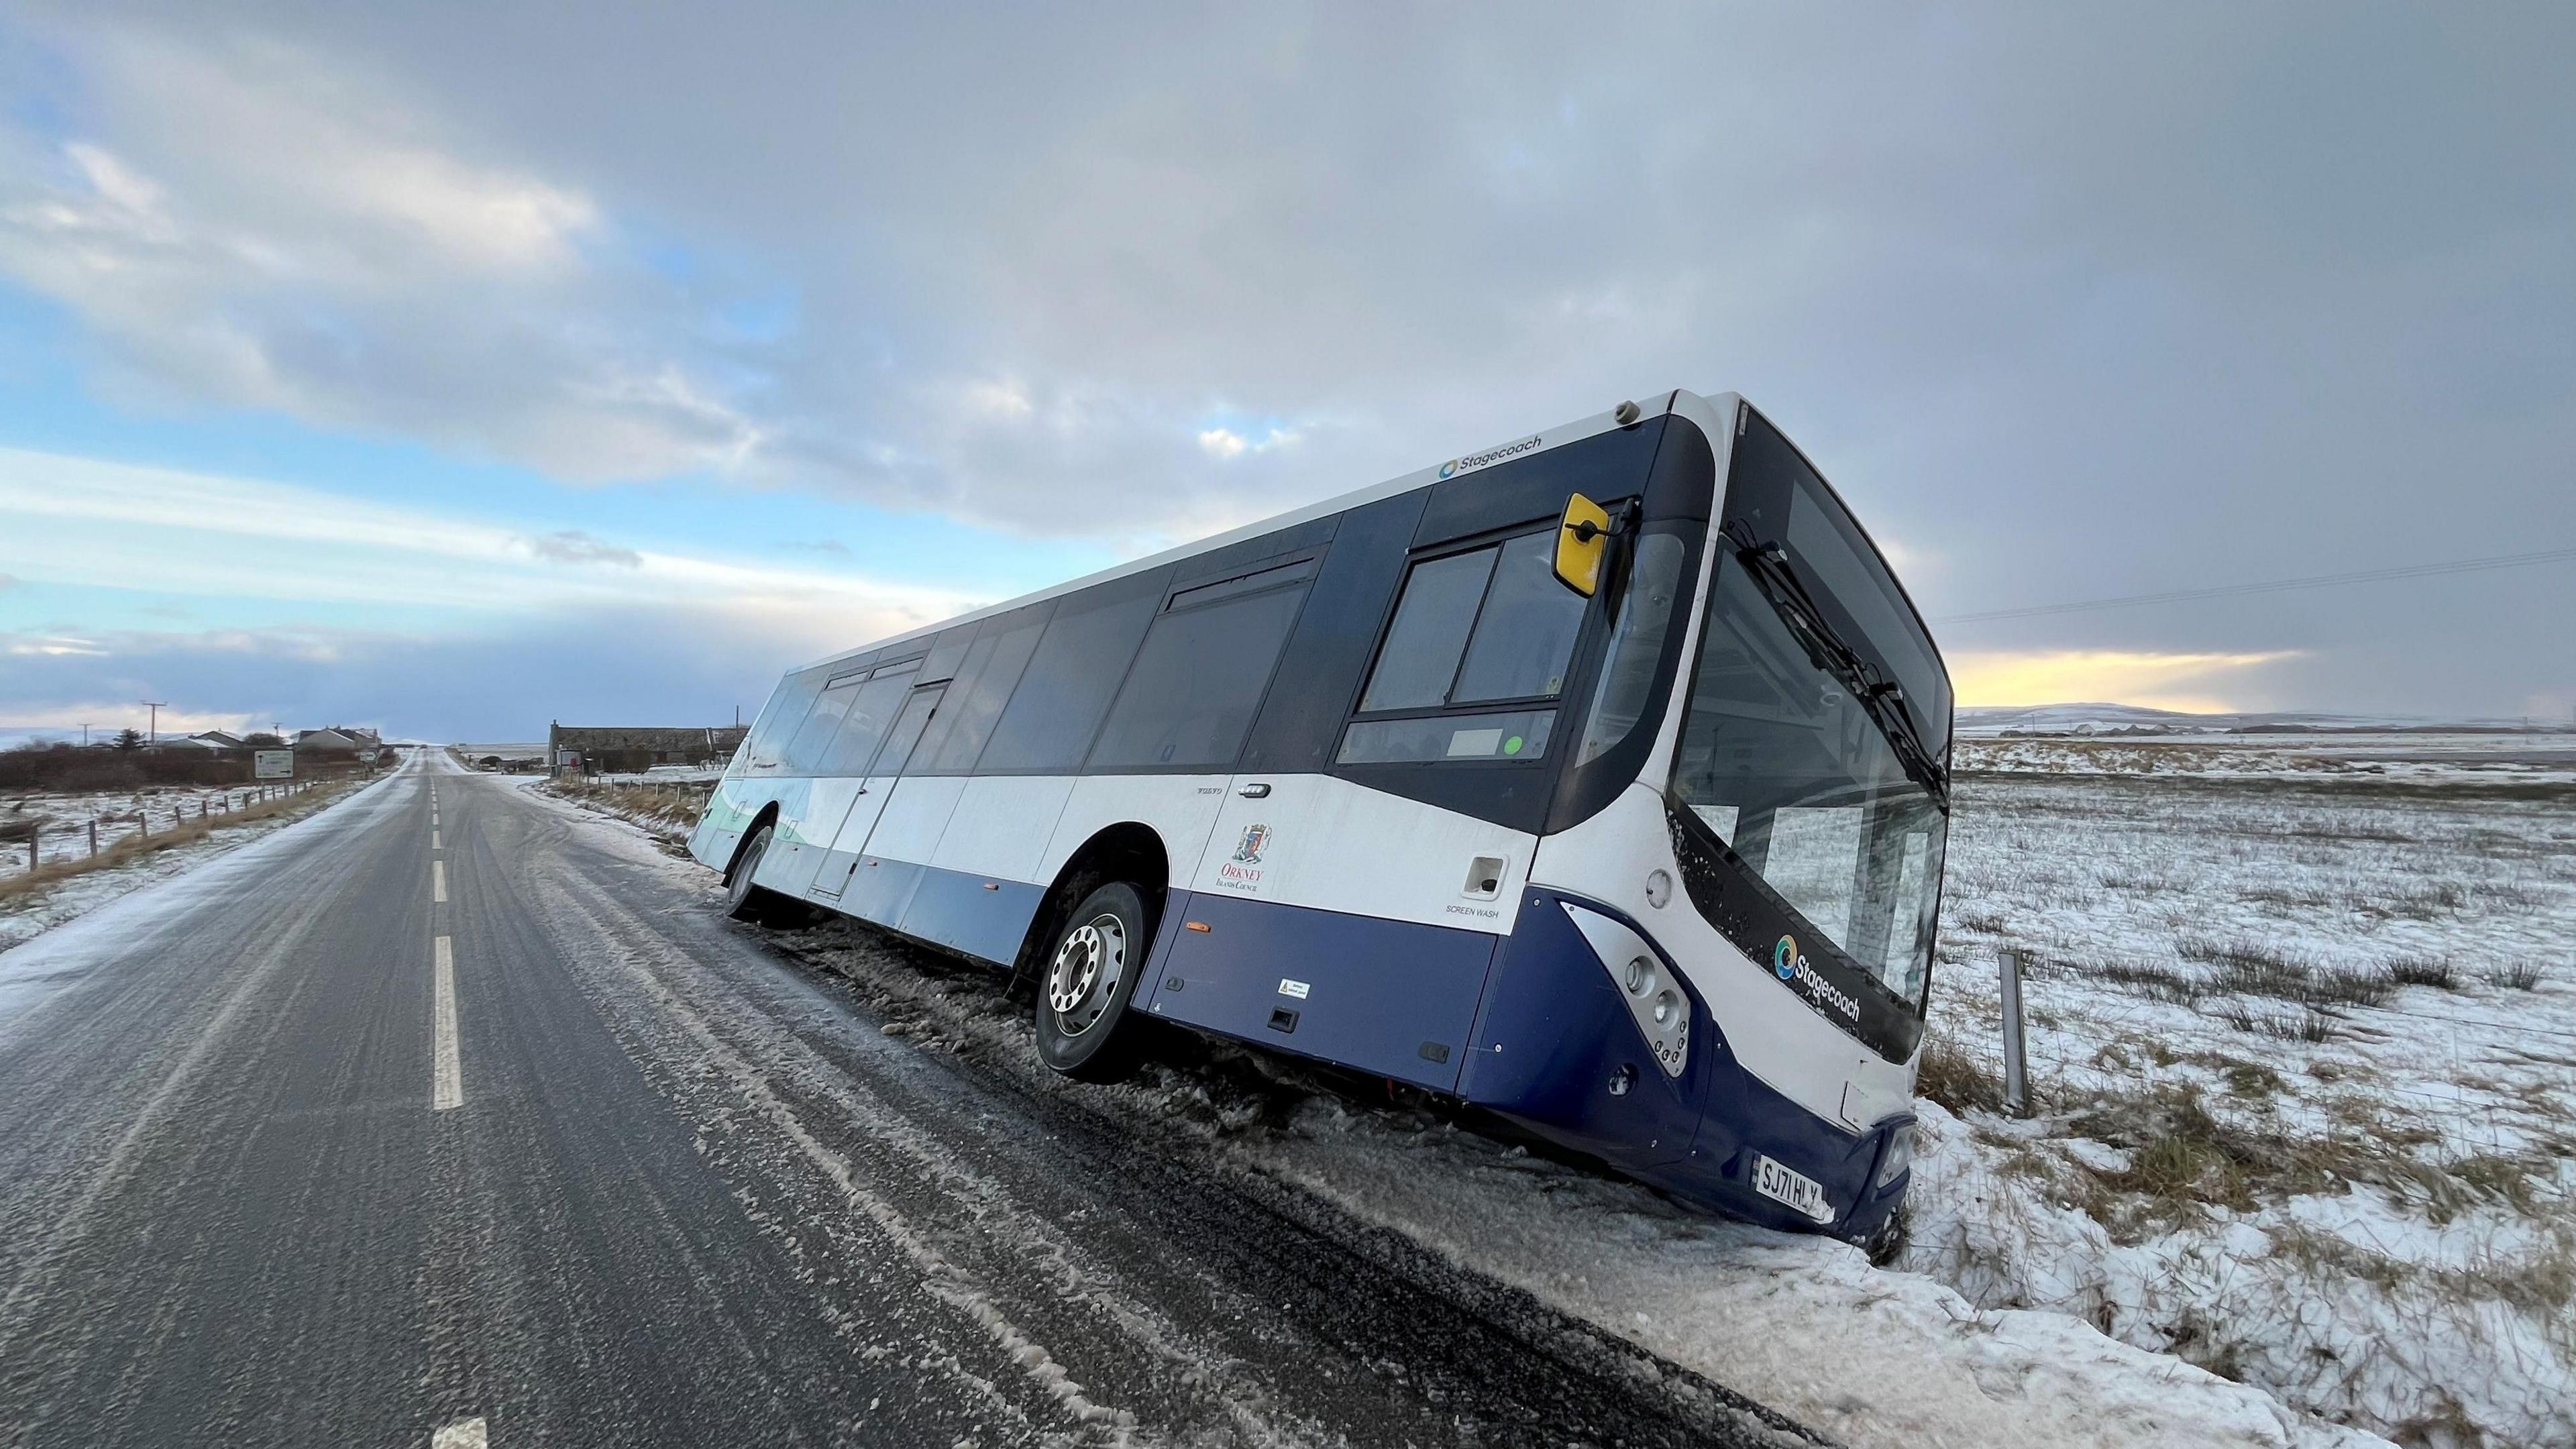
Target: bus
{"points": [[1597, 780]]}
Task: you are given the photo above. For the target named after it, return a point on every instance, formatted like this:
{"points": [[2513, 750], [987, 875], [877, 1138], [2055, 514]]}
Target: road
{"points": [[450, 1117]]}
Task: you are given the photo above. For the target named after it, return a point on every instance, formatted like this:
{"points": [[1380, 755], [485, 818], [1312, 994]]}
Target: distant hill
{"points": [[2115, 719]]}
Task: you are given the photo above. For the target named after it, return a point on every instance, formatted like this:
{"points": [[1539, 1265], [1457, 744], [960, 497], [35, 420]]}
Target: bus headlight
{"points": [[1653, 996], [1898, 1156]]}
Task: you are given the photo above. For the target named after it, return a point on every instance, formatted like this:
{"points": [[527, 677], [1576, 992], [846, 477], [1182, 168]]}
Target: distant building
{"points": [[334, 743], [220, 739], [632, 749]]}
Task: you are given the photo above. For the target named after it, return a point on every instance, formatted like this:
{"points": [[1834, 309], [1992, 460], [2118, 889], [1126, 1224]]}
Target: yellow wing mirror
{"points": [[1582, 545]]}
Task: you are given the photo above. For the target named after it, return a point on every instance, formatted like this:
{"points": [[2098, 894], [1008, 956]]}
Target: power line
{"points": [[2317, 581]]}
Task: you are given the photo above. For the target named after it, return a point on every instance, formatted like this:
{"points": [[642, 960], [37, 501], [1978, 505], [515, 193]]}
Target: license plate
{"points": [[1782, 1184]]}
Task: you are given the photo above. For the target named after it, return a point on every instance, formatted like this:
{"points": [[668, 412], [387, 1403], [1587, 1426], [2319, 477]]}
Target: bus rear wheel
{"points": [[1084, 1027]]}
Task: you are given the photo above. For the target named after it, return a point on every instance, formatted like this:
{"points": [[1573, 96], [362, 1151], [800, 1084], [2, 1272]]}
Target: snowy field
{"points": [[2303, 1036], [62, 819], [26, 914]]}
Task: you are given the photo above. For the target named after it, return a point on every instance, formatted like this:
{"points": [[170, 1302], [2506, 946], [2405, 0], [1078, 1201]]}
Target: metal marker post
{"points": [[2016, 1075]]}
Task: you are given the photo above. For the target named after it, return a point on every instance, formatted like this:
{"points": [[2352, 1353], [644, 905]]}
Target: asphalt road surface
{"points": [[450, 1118]]}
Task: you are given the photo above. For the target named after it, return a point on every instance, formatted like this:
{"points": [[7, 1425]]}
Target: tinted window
{"points": [[984, 682], [1488, 625], [778, 720], [864, 727], [1646, 615], [1068, 685], [805, 749], [1190, 698], [916, 716], [947, 652], [1525, 634], [1519, 735], [1420, 659]]}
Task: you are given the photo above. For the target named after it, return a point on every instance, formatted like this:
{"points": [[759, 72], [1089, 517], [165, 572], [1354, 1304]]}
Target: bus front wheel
{"points": [[747, 902], [1083, 1024]]}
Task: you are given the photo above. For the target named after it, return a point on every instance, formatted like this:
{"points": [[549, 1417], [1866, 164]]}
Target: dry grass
{"points": [[1957, 1080], [2517, 975], [672, 808], [26, 884]]}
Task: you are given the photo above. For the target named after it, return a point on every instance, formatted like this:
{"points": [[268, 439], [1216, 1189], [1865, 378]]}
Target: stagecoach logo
{"points": [[1790, 965], [1254, 838], [1490, 456]]}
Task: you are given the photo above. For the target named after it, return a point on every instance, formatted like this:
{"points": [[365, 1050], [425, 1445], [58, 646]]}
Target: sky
{"points": [[454, 369]]}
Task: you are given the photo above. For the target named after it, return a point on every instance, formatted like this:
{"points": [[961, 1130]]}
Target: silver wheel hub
{"points": [[1083, 979]]}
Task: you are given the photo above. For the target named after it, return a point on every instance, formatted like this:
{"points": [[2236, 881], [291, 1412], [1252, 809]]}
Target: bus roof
{"points": [[1529, 446]]}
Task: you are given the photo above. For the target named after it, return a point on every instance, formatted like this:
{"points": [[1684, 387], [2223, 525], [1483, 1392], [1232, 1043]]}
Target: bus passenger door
{"points": [[848, 855]]}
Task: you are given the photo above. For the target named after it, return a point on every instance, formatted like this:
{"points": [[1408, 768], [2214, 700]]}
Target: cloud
{"points": [[82, 522], [245, 223], [2162, 681], [1228, 444], [2064, 305], [106, 717], [571, 545], [504, 681]]}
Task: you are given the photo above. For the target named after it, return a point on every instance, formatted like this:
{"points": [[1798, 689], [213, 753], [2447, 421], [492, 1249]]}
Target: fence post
{"points": [[2016, 1072], [93, 835], [31, 847]]}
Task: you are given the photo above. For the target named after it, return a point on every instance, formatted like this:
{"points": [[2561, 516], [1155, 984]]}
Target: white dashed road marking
{"points": [[446, 1074], [463, 1434], [438, 880]]}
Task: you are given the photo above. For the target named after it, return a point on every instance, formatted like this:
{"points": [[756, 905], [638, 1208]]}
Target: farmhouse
{"points": [[626, 749]]}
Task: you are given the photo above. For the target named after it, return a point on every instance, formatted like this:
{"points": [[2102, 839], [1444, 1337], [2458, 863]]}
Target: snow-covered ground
{"points": [[62, 818], [121, 814], [2303, 1033]]}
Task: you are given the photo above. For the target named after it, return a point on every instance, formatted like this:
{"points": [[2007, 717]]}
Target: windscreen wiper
{"points": [[1882, 698]]}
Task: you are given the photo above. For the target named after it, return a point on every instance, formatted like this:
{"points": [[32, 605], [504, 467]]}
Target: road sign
{"points": [[273, 764]]}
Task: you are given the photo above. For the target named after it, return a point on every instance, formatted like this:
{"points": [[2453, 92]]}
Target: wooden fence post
{"points": [[93, 835]]}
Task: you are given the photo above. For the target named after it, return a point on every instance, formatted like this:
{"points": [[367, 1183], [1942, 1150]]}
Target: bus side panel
{"points": [[805, 837], [983, 916], [880, 888], [729, 812], [1554, 1036], [1001, 826], [1390, 997], [1179, 809], [915, 817]]}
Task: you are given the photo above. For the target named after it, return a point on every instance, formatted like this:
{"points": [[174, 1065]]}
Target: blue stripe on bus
{"points": [[879, 888], [982, 915], [1390, 997]]}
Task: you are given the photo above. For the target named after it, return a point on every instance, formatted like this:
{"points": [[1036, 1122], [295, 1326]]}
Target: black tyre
{"points": [[743, 900], [1088, 978]]}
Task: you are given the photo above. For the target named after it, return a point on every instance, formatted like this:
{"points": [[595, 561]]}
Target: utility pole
{"points": [[152, 735], [84, 734]]}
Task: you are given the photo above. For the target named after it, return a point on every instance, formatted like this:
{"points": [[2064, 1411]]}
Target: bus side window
{"points": [[984, 682], [1052, 716], [1190, 698], [1480, 627]]}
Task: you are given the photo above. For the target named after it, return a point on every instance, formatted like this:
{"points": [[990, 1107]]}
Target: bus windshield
{"points": [[1785, 765], [1815, 741]]}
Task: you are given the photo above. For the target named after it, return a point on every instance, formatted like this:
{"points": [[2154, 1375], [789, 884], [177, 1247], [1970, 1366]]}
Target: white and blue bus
{"points": [[1598, 780]]}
